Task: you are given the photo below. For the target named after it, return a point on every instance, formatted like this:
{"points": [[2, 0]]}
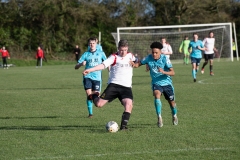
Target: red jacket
{"points": [[39, 53], [4, 53]]}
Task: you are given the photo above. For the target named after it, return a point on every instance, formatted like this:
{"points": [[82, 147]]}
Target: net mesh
{"points": [[140, 39]]}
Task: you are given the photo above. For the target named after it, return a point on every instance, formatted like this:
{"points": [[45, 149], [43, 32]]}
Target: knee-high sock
{"points": [[194, 73], [90, 106], [174, 109], [125, 119], [211, 68], [158, 107]]}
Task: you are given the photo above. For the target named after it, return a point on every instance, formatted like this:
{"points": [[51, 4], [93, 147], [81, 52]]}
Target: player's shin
{"points": [[174, 110], [158, 107], [90, 106], [125, 119]]}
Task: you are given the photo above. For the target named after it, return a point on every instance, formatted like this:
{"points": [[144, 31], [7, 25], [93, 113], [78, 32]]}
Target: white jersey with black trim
{"points": [[121, 71], [209, 44]]}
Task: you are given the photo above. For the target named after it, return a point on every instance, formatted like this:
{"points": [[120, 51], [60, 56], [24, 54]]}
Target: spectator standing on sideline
{"points": [[161, 71], [5, 56], [39, 57], [184, 49], [119, 82], [234, 48], [93, 81], [195, 47], [44, 57], [209, 44], [77, 52]]}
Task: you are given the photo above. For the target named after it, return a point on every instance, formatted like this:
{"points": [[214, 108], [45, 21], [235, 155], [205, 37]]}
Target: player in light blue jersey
{"points": [[98, 47], [195, 48], [161, 70], [92, 82]]}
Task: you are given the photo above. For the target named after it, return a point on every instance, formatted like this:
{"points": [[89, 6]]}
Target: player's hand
{"points": [[161, 70], [180, 51], [147, 68], [85, 72], [77, 66], [131, 63]]}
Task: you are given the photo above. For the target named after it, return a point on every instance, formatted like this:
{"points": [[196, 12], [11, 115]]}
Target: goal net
{"points": [[140, 38]]}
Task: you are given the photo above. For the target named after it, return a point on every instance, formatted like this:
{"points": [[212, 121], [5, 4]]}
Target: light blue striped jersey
{"points": [[93, 59], [157, 77], [196, 53]]}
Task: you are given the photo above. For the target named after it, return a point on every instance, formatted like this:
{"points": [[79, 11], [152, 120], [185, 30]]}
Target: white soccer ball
{"points": [[112, 126]]}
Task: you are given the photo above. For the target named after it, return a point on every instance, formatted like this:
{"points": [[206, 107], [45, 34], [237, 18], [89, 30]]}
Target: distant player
{"points": [[209, 43], [5, 56], [119, 82], [184, 49], [195, 47], [161, 71], [92, 82], [167, 49]]}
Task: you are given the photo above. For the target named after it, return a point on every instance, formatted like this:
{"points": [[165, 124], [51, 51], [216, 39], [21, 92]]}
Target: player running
{"points": [[119, 82], [195, 47], [184, 48], [161, 71], [92, 82], [209, 43]]}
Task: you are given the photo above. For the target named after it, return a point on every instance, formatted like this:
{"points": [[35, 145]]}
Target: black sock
{"points": [[211, 68], [204, 64], [125, 119]]}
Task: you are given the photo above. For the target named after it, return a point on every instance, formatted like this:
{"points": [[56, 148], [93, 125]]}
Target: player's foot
{"points": [[124, 128], [90, 116], [202, 71], [160, 122], [194, 80], [175, 120], [211, 74]]}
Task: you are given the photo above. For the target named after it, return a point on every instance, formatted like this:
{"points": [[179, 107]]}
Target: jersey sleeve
{"points": [[82, 58], [144, 60], [109, 61]]}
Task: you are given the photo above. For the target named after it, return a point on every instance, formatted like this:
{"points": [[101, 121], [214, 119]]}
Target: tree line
{"points": [[59, 25]]}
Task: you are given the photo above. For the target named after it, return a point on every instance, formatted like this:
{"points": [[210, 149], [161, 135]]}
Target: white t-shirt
{"points": [[209, 44], [121, 71], [167, 48]]}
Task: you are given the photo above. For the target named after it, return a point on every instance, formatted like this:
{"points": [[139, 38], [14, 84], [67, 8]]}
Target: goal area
{"points": [[140, 38]]}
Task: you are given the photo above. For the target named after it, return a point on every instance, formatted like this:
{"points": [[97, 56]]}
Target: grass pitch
{"points": [[43, 116]]}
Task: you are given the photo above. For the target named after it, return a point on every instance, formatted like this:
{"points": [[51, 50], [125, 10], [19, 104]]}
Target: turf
{"points": [[43, 116]]}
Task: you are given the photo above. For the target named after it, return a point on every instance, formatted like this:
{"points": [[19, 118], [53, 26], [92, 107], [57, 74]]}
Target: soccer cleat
{"points": [[194, 80], [124, 128], [202, 71], [175, 120], [90, 116], [211, 74], [160, 122]]}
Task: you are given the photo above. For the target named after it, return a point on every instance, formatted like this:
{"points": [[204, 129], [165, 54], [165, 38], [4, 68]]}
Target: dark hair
{"points": [[123, 43], [195, 33], [156, 45], [92, 39]]}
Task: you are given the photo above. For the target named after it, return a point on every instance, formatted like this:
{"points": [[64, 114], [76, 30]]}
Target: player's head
{"points": [[123, 47], [211, 34], [156, 49], [92, 43], [185, 37], [163, 40], [195, 36], [3, 47]]}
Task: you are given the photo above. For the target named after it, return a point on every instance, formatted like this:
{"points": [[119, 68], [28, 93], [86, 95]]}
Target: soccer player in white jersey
{"points": [[161, 71], [92, 82], [119, 83], [209, 43]]}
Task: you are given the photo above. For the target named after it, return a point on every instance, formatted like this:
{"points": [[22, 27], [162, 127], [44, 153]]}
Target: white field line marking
{"points": [[129, 153], [219, 82]]}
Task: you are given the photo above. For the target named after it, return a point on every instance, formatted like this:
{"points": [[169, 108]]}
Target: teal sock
{"points": [[174, 109], [158, 106], [194, 74], [90, 106]]}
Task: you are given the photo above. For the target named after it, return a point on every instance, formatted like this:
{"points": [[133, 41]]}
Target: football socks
{"points": [[125, 119], [194, 74], [174, 109], [158, 106], [90, 106]]}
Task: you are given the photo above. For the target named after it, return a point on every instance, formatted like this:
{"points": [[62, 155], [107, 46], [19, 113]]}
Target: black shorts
{"points": [[114, 91], [208, 56]]}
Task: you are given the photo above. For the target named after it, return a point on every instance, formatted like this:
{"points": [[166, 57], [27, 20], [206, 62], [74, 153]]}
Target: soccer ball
{"points": [[112, 126]]}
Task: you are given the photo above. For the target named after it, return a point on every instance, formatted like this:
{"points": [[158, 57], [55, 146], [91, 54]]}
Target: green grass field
{"points": [[43, 116]]}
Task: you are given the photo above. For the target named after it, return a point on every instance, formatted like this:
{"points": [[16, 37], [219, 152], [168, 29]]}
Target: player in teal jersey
{"points": [[184, 48], [195, 47], [92, 82], [161, 71]]}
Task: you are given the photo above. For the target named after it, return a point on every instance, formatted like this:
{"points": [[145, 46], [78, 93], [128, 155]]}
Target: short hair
{"points": [[123, 43], [92, 39], [156, 45], [195, 33]]}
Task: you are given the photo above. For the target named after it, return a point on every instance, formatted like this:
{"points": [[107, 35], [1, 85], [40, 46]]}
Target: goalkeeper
{"points": [[184, 48]]}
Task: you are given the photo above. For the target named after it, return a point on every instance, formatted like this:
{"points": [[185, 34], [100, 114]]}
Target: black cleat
{"points": [[195, 80], [124, 129]]}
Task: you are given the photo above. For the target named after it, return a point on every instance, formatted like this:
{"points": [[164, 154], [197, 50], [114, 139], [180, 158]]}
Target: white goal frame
{"points": [[184, 26]]}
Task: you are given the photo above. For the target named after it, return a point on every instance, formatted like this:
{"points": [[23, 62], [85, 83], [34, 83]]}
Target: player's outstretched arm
{"points": [[170, 72], [96, 68]]}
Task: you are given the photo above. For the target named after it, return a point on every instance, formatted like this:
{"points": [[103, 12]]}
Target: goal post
{"points": [[140, 38]]}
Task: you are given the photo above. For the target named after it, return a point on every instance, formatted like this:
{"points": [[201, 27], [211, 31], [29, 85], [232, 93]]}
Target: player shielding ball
{"points": [[161, 71], [119, 82]]}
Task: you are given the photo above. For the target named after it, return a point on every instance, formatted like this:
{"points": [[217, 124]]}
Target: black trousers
{"points": [[4, 59]]}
